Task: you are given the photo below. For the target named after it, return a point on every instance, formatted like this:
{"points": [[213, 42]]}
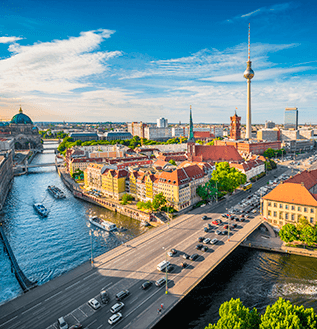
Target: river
{"points": [[48, 247]]}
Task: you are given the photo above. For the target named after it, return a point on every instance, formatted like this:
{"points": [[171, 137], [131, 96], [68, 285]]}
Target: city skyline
{"points": [[122, 61]]}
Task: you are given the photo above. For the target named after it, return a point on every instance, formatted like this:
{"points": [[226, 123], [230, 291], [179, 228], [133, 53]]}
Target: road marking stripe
{"points": [[53, 296], [89, 276], [8, 321], [91, 323], [32, 307], [72, 285]]}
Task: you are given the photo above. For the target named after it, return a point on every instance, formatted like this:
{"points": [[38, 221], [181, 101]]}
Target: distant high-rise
{"points": [[291, 118], [162, 123], [269, 124], [248, 74]]}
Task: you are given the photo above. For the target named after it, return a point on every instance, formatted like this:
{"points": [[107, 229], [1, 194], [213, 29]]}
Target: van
{"points": [[163, 265], [62, 324], [116, 307], [122, 294]]}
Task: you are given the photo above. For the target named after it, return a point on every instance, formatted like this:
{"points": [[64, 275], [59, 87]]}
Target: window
{"points": [[281, 215], [286, 215], [311, 219], [269, 204], [299, 208], [305, 209], [286, 206], [311, 210], [293, 208], [293, 217], [275, 205], [281, 206], [269, 213], [274, 214]]}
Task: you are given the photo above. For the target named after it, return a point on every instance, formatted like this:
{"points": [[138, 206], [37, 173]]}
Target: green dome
{"points": [[21, 118]]}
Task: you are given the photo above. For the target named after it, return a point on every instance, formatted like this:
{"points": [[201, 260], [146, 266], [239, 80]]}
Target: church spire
{"points": [[191, 126]]}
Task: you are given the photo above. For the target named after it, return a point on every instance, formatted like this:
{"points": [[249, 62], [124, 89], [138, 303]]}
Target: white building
{"points": [[162, 123]]}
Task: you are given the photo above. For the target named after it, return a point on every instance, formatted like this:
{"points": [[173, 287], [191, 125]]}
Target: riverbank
{"points": [[263, 241]]}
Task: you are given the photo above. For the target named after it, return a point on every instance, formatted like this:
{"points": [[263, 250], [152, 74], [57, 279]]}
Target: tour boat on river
{"points": [[56, 192], [103, 224], [40, 209]]}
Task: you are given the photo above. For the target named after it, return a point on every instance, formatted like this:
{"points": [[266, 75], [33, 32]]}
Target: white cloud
{"points": [[9, 39], [55, 67]]}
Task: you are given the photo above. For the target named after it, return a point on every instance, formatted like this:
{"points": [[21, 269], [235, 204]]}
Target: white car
{"points": [[213, 241], [203, 205], [207, 240], [94, 303], [116, 307], [115, 318], [62, 324]]}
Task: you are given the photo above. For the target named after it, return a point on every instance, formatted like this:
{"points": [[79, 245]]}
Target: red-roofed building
{"points": [[293, 199], [250, 168]]}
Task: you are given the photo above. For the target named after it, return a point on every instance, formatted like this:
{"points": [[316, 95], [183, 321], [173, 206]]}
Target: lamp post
{"points": [[166, 288], [91, 242]]}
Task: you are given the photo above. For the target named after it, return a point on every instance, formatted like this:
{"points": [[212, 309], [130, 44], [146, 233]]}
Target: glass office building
{"points": [[291, 118]]}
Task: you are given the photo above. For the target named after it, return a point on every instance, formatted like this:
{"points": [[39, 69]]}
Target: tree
{"points": [[126, 198], [159, 201], [289, 233], [172, 162], [283, 315], [227, 178], [234, 315], [269, 153], [207, 191]]}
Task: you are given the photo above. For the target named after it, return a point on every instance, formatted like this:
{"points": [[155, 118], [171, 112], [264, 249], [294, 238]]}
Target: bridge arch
{"points": [[268, 228]]}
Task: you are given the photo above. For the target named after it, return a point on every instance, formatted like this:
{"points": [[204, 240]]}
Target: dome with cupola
{"points": [[21, 118]]}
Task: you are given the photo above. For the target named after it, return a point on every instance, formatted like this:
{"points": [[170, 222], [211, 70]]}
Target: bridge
{"points": [[24, 282]]}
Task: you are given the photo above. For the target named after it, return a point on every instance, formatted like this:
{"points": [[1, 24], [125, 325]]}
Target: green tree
{"points": [[269, 153], [283, 315], [172, 162], [234, 315], [159, 201], [289, 233], [126, 198], [207, 191]]}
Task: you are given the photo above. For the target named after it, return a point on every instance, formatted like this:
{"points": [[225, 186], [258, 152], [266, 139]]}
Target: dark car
{"points": [[224, 232], [236, 219], [184, 265], [193, 256], [204, 217], [242, 219], [170, 268], [205, 229], [146, 285], [104, 296], [199, 246], [204, 248], [77, 326], [200, 239], [226, 226], [122, 294]]}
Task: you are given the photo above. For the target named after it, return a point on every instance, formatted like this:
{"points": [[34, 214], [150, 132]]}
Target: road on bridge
{"points": [[127, 267]]}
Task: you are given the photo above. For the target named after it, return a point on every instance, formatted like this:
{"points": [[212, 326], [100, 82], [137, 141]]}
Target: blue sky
{"points": [[141, 60]]}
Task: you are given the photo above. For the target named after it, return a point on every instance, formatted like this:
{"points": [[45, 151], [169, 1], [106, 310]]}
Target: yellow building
{"points": [[113, 183], [291, 200]]}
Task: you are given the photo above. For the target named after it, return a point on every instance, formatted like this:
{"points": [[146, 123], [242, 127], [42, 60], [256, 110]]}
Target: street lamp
{"points": [[91, 242], [166, 288]]}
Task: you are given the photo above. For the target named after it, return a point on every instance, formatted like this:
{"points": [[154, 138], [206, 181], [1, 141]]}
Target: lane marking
{"points": [[53, 296], [8, 321], [87, 277], [32, 307], [91, 323], [72, 285]]}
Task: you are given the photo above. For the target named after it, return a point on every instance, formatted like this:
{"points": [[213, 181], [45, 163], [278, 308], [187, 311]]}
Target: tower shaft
{"points": [[248, 133]]}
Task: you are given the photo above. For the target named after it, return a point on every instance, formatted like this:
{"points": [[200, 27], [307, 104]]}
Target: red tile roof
{"points": [[216, 153], [307, 177]]}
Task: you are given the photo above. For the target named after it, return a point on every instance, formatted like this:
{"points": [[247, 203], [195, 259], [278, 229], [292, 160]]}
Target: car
{"points": [[170, 268], [193, 256], [254, 211], [242, 215], [214, 241], [207, 240], [76, 326], [62, 324], [224, 215], [160, 282], [242, 219], [204, 248], [226, 226], [116, 307], [200, 239], [172, 252], [203, 205], [224, 232], [185, 256], [199, 246], [209, 226], [237, 219], [115, 318], [184, 265], [234, 225], [146, 285], [206, 229], [204, 217], [218, 232], [104, 296], [217, 222], [93, 302], [122, 294]]}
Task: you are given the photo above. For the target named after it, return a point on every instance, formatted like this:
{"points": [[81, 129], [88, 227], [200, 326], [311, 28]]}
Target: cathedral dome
{"points": [[21, 118]]}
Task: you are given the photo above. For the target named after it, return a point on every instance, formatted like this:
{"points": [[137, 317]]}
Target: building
{"points": [[157, 134], [116, 135], [291, 200], [235, 127], [162, 123], [6, 175], [84, 136], [180, 131], [250, 168], [291, 118], [21, 129], [272, 135], [137, 128], [6, 144], [269, 124]]}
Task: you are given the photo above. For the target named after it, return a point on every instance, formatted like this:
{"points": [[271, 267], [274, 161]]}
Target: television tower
{"points": [[248, 74]]}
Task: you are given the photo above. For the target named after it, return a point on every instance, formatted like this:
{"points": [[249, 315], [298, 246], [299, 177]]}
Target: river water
{"points": [[48, 247]]}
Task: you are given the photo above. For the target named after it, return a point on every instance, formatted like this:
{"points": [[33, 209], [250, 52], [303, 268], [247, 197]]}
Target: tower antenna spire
{"points": [[249, 44]]}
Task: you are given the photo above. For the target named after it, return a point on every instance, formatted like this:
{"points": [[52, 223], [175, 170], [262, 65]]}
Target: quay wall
{"points": [[6, 175]]}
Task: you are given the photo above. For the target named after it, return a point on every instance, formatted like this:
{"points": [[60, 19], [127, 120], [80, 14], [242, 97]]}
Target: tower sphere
{"points": [[248, 73]]}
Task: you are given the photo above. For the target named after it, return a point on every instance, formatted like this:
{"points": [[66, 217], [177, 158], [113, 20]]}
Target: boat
{"points": [[103, 224], [56, 192], [40, 209]]}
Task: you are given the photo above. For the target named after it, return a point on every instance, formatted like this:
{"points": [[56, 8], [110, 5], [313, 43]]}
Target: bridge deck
{"points": [[24, 282]]}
